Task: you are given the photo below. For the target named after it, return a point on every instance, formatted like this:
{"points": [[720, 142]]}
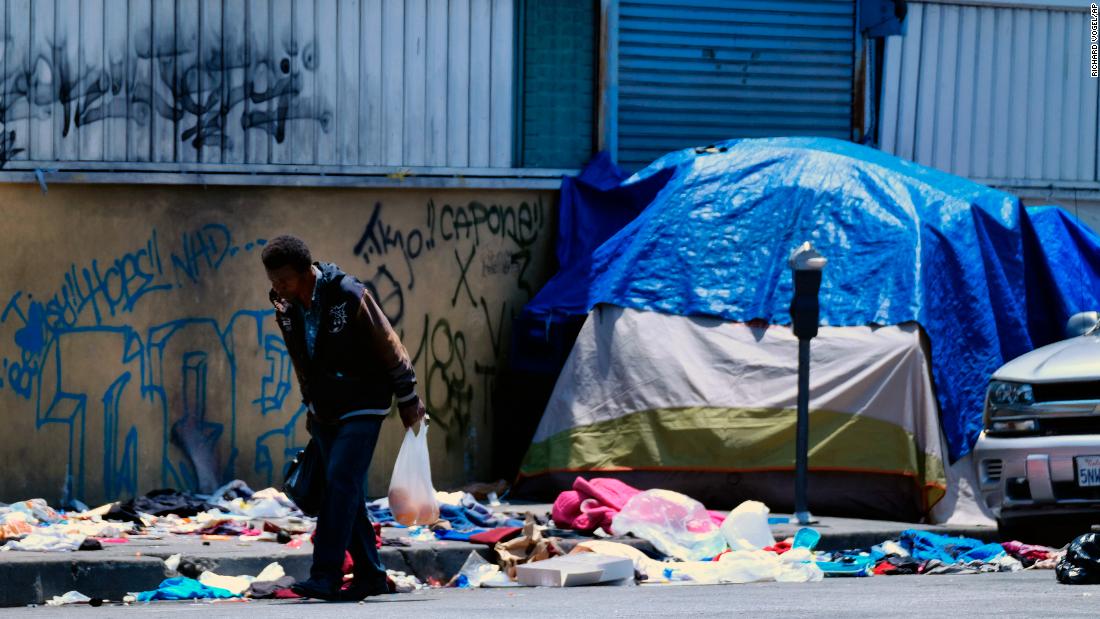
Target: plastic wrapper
{"points": [[677, 525], [746, 527]]}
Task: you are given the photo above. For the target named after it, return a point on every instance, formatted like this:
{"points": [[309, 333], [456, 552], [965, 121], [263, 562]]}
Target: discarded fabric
{"points": [[592, 504], [926, 546], [745, 566], [182, 588], [46, 541]]}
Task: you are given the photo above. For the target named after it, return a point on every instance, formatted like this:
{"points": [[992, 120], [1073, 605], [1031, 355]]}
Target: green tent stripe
{"points": [[725, 439]]}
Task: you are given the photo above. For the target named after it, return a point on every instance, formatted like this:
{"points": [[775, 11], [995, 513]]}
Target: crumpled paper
{"points": [[529, 547]]}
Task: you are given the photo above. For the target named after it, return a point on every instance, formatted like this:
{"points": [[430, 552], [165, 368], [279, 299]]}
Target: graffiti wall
{"points": [[249, 83], [138, 349]]}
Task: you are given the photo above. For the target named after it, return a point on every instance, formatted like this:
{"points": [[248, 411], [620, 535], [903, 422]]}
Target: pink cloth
{"points": [[592, 504], [1027, 552]]}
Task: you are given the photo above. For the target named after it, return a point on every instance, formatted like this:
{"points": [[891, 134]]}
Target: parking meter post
{"points": [[802, 435], [807, 265]]}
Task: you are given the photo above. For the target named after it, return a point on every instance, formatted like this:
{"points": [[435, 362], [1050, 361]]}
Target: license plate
{"points": [[1088, 470]]}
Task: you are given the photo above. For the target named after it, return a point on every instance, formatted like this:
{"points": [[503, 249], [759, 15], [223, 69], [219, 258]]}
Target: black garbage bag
{"points": [[305, 479], [1081, 565]]}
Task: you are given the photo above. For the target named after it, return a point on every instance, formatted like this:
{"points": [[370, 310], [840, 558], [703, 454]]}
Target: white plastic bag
{"points": [[746, 527], [677, 525], [412, 497]]}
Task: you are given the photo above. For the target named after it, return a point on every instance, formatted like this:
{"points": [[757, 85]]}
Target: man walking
{"points": [[350, 365]]}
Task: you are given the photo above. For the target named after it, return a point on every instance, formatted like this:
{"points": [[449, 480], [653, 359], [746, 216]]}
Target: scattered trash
{"points": [[474, 572], [421, 534], [172, 562], [529, 547], [746, 527], [405, 583], [745, 566], [649, 569], [72, 597], [576, 570], [1081, 564]]}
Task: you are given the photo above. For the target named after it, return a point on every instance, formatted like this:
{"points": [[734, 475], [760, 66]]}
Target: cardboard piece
{"points": [[575, 570]]}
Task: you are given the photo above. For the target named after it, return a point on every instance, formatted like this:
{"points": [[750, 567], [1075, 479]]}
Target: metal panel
{"points": [[306, 83], [480, 63], [997, 93], [458, 74], [699, 71], [501, 105]]}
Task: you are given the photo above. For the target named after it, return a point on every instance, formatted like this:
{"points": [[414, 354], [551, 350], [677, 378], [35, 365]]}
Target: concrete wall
{"points": [[139, 350]]}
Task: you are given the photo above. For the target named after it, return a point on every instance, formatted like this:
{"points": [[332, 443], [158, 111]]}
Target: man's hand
{"points": [[412, 413], [281, 304]]}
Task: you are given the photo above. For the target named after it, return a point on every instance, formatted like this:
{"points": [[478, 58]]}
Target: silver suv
{"points": [[1039, 453]]}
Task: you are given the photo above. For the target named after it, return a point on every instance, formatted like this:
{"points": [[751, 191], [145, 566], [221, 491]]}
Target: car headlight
{"points": [[1003, 393]]}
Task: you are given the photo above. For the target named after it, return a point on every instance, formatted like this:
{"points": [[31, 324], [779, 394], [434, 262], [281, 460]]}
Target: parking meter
{"points": [[806, 264]]}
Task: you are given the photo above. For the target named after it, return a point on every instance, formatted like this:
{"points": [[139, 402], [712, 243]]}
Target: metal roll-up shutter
{"points": [[693, 72]]}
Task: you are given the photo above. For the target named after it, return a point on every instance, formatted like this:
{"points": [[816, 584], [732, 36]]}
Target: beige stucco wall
{"points": [[139, 350]]}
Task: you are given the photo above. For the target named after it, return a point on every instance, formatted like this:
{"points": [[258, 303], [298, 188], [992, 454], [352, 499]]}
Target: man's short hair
{"points": [[286, 250]]}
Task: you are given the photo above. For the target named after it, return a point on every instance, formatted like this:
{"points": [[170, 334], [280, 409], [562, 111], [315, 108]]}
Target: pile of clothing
{"points": [[461, 518], [707, 547], [33, 525]]}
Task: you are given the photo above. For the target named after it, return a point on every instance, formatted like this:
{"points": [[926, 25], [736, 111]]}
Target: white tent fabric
{"points": [[647, 391]]}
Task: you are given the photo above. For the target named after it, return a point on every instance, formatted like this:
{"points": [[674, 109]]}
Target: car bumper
{"points": [[1034, 475]]}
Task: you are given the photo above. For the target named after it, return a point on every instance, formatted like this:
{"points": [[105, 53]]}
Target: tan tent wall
{"points": [[139, 351]]}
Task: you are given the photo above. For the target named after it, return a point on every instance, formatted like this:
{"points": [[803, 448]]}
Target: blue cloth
{"points": [[905, 243], [984, 553], [924, 546], [182, 588], [458, 536], [381, 515], [469, 517]]}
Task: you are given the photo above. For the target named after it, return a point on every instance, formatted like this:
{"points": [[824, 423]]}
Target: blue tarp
{"points": [[593, 206], [904, 242]]}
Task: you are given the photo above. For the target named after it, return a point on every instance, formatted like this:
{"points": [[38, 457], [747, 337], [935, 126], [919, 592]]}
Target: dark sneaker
{"points": [[357, 591], [318, 590]]}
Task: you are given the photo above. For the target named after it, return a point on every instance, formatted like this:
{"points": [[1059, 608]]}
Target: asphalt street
{"points": [[1023, 594]]}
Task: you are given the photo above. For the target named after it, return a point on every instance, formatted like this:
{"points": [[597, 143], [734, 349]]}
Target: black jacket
{"points": [[358, 363]]}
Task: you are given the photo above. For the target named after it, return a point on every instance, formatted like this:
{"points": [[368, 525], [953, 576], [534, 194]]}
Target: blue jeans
{"points": [[346, 450]]}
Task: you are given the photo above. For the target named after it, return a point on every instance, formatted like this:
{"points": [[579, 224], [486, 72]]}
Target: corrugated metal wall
{"points": [[997, 94], [693, 72], [257, 84]]}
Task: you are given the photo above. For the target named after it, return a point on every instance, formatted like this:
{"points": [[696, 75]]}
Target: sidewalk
{"points": [[33, 577]]}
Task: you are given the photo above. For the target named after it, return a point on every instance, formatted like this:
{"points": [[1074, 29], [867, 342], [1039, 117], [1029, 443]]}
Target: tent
{"points": [[683, 374]]}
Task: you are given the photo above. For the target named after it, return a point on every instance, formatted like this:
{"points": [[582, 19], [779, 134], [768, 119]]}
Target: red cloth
{"points": [[285, 594], [492, 536], [779, 547], [592, 504]]}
